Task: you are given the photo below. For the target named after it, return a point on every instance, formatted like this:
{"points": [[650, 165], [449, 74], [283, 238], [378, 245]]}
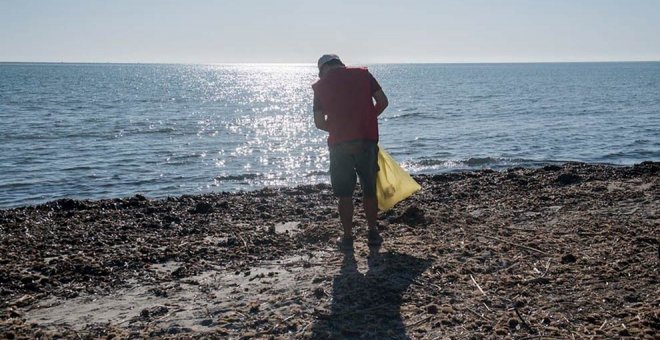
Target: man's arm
{"points": [[381, 102], [319, 117], [319, 120]]}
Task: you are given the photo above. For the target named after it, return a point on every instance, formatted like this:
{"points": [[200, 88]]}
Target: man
{"points": [[344, 107]]}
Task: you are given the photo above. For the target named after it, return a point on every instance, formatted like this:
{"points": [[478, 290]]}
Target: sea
{"points": [[94, 131]]}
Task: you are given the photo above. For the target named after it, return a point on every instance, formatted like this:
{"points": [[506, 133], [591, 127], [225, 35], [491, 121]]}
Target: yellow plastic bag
{"points": [[393, 184]]}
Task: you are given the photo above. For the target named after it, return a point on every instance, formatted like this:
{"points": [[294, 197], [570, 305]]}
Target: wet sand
{"points": [[557, 252]]}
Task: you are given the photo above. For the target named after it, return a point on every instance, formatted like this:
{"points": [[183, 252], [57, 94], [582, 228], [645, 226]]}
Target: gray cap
{"points": [[327, 57]]}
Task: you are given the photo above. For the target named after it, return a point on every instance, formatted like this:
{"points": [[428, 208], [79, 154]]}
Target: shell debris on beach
{"points": [[566, 251]]}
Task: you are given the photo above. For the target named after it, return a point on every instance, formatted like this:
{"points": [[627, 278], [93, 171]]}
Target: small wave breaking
{"points": [[239, 177], [442, 165]]}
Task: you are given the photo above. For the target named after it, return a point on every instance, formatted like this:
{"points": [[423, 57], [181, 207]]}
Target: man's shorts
{"points": [[350, 160]]}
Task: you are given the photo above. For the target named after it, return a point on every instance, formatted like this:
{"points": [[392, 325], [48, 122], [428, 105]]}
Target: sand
{"points": [[557, 252]]}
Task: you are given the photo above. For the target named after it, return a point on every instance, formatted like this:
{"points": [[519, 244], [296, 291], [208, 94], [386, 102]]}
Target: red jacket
{"points": [[345, 97]]}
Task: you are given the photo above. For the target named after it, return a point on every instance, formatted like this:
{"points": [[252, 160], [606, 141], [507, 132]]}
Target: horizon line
{"points": [[313, 63]]}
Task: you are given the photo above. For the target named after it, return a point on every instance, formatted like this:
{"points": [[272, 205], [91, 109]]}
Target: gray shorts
{"points": [[350, 160]]}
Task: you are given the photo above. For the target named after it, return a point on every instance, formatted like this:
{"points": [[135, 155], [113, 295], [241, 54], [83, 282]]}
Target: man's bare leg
{"points": [[371, 211], [346, 214]]}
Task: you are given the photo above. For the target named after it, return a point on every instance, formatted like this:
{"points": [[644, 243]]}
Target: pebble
{"points": [[568, 258]]}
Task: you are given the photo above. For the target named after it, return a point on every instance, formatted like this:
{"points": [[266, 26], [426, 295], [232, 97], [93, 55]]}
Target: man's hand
{"points": [[381, 102], [319, 120], [319, 117]]}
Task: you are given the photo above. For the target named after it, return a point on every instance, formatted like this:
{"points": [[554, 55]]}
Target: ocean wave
{"points": [[317, 173], [413, 114], [239, 177], [156, 131], [433, 162], [438, 164], [479, 161], [471, 162], [638, 154]]}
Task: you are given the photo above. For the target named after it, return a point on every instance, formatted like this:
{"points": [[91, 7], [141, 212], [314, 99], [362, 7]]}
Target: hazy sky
{"points": [[229, 31]]}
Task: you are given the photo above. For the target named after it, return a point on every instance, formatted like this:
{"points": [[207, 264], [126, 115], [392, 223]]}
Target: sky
{"points": [[299, 31]]}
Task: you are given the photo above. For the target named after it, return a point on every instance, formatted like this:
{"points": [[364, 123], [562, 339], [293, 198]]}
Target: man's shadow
{"points": [[368, 305]]}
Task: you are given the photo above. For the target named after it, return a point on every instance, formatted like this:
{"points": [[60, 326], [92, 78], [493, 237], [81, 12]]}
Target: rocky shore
{"points": [[567, 251]]}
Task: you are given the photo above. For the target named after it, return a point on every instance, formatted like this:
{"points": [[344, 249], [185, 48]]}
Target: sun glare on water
{"points": [[264, 124]]}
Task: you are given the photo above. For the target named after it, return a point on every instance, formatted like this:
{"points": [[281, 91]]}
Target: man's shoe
{"points": [[374, 239], [345, 243]]}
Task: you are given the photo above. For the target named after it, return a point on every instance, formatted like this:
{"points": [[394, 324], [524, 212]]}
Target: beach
{"points": [[560, 251]]}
